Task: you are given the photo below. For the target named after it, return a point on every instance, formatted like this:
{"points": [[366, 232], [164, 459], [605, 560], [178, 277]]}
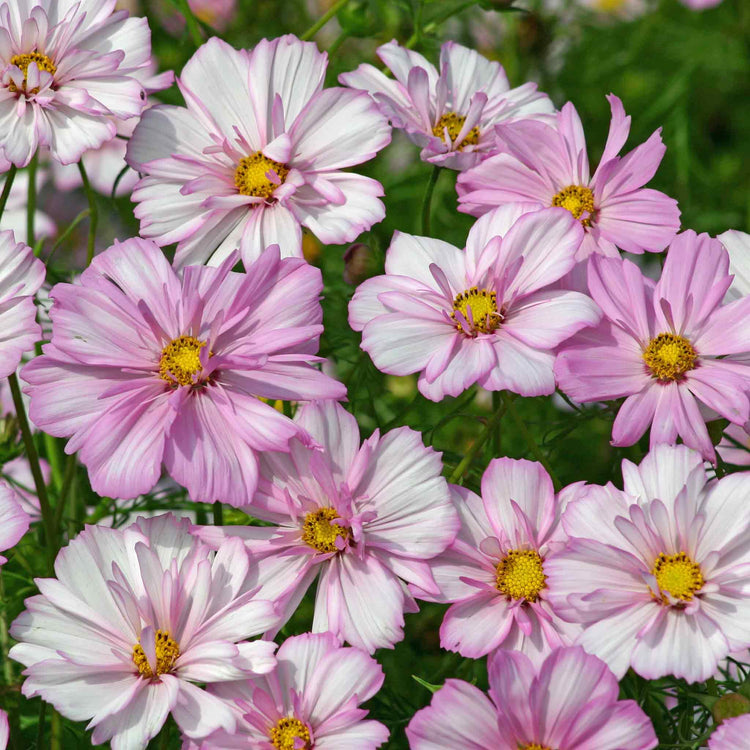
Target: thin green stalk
{"points": [[529, 438], [9, 177], [64, 236], [427, 201], [52, 452], [340, 39], [41, 724], [193, 26], [497, 432], [218, 514], [93, 212], [31, 201], [56, 727], [476, 446], [323, 20], [67, 482]]}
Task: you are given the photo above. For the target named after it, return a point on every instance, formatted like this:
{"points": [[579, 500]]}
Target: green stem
{"points": [[489, 428], [193, 26], [64, 236], [67, 482], [497, 433], [9, 177], [323, 20], [93, 212], [51, 450], [218, 514], [529, 438], [427, 201], [55, 737], [40, 725], [31, 202]]}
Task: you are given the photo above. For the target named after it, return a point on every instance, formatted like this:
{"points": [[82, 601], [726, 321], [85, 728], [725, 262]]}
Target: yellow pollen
{"points": [[287, 731], [23, 61], [609, 6], [678, 575], [320, 533], [578, 200], [167, 652], [180, 361], [669, 356], [454, 122], [251, 176], [520, 575], [534, 746], [484, 313]]}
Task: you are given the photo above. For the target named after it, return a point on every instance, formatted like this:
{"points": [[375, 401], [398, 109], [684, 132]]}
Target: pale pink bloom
{"points": [[4, 730], [257, 154], [700, 4], [548, 165], [663, 346], [360, 519], [450, 113], [494, 571], [14, 521], [737, 244], [735, 445], [21, 275], [134, 619], [731, 734], [483, 316], [66, 69], [14, 216], [146, 368], [310, 701], [17, 473], [569, 702], [658, 574]]}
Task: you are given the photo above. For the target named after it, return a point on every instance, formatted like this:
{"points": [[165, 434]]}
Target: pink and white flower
{"points": [[66, 69], [14, 521], [548, 165], [257, 154], [658, 574], [570, 702], [360, 519], [146, 368], [450, 113], [732, 734], [483, 316], [663, 346], [310, 701], [134, 619]]}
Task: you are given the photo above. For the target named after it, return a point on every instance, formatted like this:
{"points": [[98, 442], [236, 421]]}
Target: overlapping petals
{"points": [[14, 520]]}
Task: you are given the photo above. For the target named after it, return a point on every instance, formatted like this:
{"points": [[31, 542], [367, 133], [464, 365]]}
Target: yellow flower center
{"points": [[167, 652], [609, 6], [520, 575], [534, 746], [577, 199], [484, 314], [180, 361], [319, 531], [23, 61], [454, 122], [678, 575], [287, 731], [669, 356], [259, 176]]}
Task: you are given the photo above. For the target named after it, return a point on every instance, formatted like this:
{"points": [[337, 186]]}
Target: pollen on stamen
{"points": [[678, 575], [180, 361], [319, 531], [286, 731], [167, 653], [484, 316], [23, 61], [252, 175], [520, 575], [454, 122], [577, 199], [669, 356]]}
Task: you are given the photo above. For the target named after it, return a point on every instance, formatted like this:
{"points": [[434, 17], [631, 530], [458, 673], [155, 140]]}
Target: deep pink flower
{"points": [[663, 346], [483, 316], [66, 69], [450, 113], [133, 620], [548, 166], [14, 521], [568, 703], [257, 155], [145, 368], [362, 519], [658, 575], [732, 734]]}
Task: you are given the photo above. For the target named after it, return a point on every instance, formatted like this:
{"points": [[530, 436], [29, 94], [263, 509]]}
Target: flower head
{"points": [[14, 520], [548, 165], [450, 113], [250, 162], [146, 368], [481, 316], [731, 734]]}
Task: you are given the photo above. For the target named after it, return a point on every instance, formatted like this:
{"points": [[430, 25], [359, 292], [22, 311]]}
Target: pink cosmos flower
{"points": [[481, 316], [494, 571], [547, 165], [451, 114], [145, 368], [700, 4], [133, 620], [14, 521], [568, 703], [65, 70], [257, 155], [309, 702], [658, 574], [4, 730], [661, 346], [21, 275], [17, 473], [732, 734], [362, 519], [737, 244]]}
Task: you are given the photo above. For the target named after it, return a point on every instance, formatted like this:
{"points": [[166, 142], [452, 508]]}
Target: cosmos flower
{"points": [[663, 347], [483, 316], [568, 703], [450, 113], [4, 730], [309, 702], [731, 734], [257, 154], [360, 519], [547, 165], [66, 69], [133, 620], [146, 368], [737, 244], [14, 521], [658, 574]]}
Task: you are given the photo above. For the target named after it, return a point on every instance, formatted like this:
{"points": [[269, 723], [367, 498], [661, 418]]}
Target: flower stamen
{"points": [[678, 575], [454, 123], [669, 356], [484, 316], [320, 532], [180, 361], [577, 199], [259, 176], [520, 575], [167, 652], [23, 61], [286, 731]]}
